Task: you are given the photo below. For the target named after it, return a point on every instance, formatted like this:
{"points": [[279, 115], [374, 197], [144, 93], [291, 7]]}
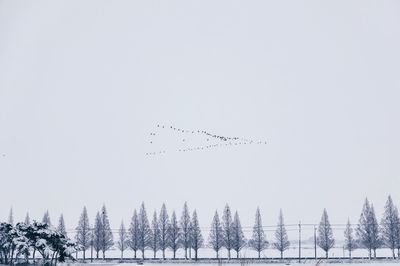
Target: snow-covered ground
{"points": [[307, 263], [306, 251]]}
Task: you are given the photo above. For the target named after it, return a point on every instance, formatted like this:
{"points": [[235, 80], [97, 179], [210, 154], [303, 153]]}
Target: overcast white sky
{"points": [[82, 84]]}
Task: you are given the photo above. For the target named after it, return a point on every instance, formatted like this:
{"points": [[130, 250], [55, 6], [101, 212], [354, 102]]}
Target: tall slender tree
{"points": [[397, 233], [107, 239], [155, 235], [123, 239], [144, 230], [227, 230], [196, 237], [368, 229], [11, 217], [258, 242], [350, 243], [27, 219], [375, 232], [325, 235], [61, 225], [185, 229], [46, 218], [216, 238], [163, 225], [173, 234], [97, 234], [390, 225], [134, 233], [238, 239], [281, 238], [83, 232], [364, 229]]}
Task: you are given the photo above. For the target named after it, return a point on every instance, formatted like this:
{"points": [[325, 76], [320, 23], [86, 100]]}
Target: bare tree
{"points": [[364, 228], [397, 233], [216, 239], [155, 235], [46, 218], [325, 235], [281, 238], [350, 243], [173, 234], [238, 239], [368, 230], [258, 242], [97, 234], [390, 225], [83, 232], [185, 229], [227, 229], [11, 217], [27, 219], [107, 239], [123, 239], [144, 230], [196, 237], [61, 225], [134, 233], [163, 225], [375, 232]]}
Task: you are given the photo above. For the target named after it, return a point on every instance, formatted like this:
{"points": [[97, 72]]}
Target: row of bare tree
{"points": [[166, 232]]}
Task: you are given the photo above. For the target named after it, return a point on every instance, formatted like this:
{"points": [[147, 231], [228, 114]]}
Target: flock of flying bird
{"points": [[208, 140]]}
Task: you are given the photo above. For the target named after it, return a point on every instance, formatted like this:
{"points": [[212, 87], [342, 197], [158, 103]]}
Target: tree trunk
{"points": [[52, 258], [163, 253], [281, 254], [326, 254], [195, 254]]}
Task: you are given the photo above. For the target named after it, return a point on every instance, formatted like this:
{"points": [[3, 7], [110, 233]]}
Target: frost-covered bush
{"points": [[23, 240]]}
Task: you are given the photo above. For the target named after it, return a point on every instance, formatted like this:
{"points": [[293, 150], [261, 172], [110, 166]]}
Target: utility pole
{"points": [[299, 241], [315, 242]]}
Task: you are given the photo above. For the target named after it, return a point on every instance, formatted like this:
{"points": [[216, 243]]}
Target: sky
{"points": [[83, 84]]}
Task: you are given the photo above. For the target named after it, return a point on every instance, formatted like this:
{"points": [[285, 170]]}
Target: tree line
{"points": [[166, 232]]}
